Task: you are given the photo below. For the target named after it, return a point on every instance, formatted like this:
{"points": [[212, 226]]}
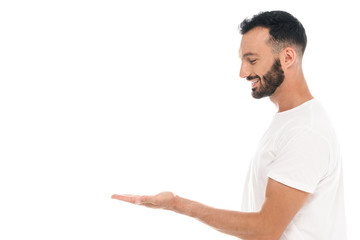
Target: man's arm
{"points": [[280, 206]]}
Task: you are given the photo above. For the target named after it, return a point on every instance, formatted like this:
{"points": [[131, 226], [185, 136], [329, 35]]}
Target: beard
{"points": [[269, 82]]}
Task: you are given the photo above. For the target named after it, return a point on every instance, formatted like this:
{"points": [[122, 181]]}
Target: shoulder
{"points": [[308, 122]]}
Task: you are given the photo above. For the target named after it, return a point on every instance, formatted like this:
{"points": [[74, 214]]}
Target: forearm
{"points": [[239, 224]]}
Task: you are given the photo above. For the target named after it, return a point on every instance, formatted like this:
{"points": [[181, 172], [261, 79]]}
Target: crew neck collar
{"points": [[296, 108]]}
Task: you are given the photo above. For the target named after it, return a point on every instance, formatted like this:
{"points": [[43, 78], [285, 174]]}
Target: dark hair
{"points": [[283, 27]]}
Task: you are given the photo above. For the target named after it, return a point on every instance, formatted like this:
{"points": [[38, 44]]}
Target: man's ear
{"points": [[288, 57]]}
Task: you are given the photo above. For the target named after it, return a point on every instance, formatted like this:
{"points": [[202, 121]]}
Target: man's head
{"points": [[270, 40]]}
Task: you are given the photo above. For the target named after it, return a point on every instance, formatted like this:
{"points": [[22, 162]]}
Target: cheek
{"points": [[258, 71], [263, 69]]}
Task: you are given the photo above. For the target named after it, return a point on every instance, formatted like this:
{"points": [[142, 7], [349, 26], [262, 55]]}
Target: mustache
{"points": [[253, 77]]}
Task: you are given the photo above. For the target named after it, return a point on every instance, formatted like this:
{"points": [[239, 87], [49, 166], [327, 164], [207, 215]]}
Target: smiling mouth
{"points": [[254, 82]]}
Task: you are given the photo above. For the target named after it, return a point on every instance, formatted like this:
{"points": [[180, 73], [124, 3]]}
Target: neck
{"points": [[291, 93]]}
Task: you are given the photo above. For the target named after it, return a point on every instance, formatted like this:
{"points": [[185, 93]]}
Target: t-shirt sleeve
{"points": [[302, 161]]}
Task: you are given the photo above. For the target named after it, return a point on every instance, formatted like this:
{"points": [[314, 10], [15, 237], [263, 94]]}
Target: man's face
{"points": [[259, 64]]}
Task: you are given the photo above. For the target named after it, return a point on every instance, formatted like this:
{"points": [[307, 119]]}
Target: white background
{"points": [[104, 97]]}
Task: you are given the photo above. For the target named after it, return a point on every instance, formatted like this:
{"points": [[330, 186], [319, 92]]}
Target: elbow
{"points": [[262, 228], [268, 228]]}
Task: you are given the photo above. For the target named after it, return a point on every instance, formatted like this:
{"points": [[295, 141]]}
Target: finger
{"points": [[127, 198]]}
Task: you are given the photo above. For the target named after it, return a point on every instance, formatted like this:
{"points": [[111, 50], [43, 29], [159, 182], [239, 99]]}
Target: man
{"points": [[294, 186]]}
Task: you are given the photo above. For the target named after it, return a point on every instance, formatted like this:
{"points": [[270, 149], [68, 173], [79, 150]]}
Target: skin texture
{"points": [[281, 202]]}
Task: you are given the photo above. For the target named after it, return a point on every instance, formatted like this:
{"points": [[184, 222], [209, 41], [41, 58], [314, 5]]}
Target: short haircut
{"points": [[285, 30]]}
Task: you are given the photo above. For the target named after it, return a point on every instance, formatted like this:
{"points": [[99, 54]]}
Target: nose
{"points": [[244, 71]]}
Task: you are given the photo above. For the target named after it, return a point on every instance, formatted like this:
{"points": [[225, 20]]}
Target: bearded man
{"points": [[294, 187]]}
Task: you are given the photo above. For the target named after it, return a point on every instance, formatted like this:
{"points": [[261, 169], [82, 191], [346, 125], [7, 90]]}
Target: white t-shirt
{"points": [[300, 150]]}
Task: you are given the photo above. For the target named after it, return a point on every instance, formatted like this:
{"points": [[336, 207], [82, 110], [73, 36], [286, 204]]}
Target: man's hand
{"points": [[164, 200]]}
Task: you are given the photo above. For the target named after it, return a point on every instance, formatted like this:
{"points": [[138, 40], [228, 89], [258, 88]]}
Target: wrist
{"points": [[176, 204], [183, 206]]}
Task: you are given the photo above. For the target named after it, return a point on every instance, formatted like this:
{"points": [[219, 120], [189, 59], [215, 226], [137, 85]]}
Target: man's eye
{"points": [[252, 61]]}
